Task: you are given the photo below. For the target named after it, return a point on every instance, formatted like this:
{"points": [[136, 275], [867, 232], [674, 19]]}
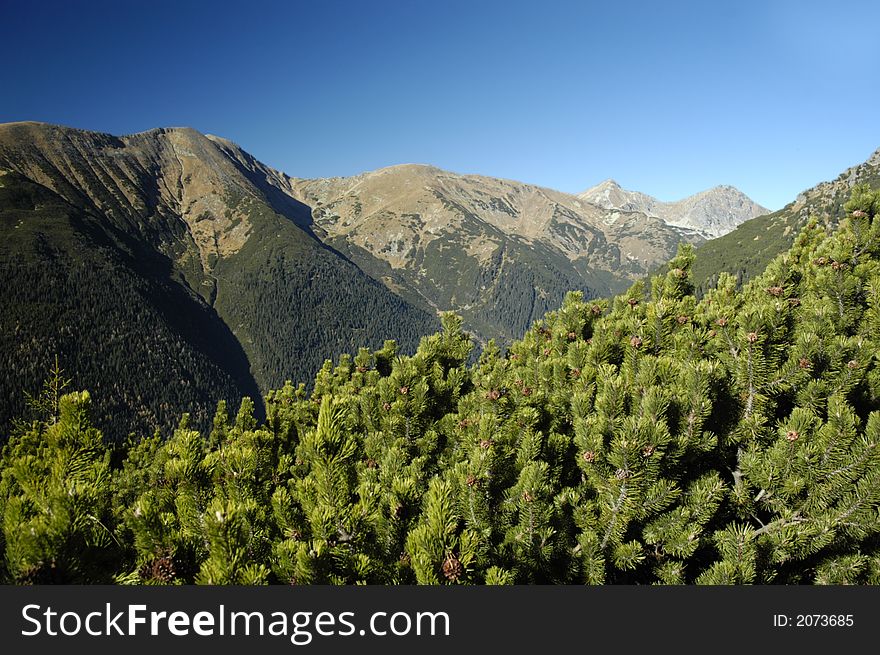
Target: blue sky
{"points": [[668, 98]]}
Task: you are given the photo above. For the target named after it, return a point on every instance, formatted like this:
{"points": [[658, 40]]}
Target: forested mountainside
{"points": [[747, 250], [647, 438], [168, 274], [71, 287]]}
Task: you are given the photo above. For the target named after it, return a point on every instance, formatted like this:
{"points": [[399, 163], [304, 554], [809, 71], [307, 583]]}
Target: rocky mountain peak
{"points": [[711, 213]]}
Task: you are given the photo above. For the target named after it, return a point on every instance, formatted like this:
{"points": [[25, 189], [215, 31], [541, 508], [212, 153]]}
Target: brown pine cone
{"points": [[452, 568]]}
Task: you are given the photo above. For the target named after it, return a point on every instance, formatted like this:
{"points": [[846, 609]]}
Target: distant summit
{"points": [[746, 251], [711, 213]]}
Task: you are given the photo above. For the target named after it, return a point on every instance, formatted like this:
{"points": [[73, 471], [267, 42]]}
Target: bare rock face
{"points": [[710, 213]]}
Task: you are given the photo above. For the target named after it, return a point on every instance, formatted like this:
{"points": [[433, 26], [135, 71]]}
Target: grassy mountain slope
{"points": [[747, 250], [499, 252]]}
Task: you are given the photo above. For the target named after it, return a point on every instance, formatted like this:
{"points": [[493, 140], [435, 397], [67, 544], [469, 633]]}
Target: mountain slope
{"points": [[746, 251], [70, 288], [500, 253], [202, 223], [712, 213]]}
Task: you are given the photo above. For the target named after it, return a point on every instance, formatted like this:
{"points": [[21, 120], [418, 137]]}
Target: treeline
{"points": [[650, 438]]}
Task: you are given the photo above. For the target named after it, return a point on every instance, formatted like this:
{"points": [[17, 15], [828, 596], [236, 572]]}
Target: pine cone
{"points": [[404, 390], [589, 457], [572, 336], [752, 337], [452, 568], [159, 569], [683, 319], [792, 435], [804, 363], [775, 291], [721, 322], [852, 364], [596, 310], [632, 302], [485, 443], [635, 342]]}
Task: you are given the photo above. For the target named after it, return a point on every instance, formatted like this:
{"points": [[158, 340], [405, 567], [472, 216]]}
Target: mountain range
{"points": [[170, 269]]}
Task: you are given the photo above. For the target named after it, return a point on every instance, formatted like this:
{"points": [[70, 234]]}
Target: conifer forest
{"points": [[650, 438]]}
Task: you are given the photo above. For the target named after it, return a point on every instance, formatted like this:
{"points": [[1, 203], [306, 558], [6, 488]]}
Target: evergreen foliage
{"points": [[651, 438]]}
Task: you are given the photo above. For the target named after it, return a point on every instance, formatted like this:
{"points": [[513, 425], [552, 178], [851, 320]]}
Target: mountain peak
{"points": [[712, 212], [607, 185], [409, 168]]}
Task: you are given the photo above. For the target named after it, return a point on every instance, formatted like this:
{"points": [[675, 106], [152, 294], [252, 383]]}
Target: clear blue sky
{"points": [[668, 97]]}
